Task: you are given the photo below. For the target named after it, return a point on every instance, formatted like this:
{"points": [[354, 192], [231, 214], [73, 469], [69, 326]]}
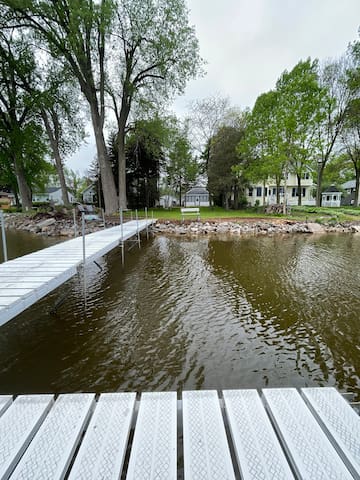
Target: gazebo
{"points": [[332, 197]]}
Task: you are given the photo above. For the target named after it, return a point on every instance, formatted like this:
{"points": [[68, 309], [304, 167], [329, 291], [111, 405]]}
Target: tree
{"points": [[181, 168], [334, 77], [262, 142], [223, 179], [301, 103], [158, 54], [350, 138], [22, 136], [206, 117], [76, 32]]}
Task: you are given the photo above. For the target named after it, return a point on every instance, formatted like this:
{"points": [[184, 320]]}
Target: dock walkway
{"points": [[27, 279], [282, 434]]}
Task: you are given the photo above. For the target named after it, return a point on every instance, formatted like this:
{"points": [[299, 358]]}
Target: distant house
{"points": [[197, 197], [349, 197], [332, 197], [260, 194], [6, 200], [89, 195], [51, 195]]}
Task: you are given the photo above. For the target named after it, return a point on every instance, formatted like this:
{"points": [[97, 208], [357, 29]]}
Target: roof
{"points": [[332, 189], [197, 191], [52, 189], [349, 184], [89, 187]]}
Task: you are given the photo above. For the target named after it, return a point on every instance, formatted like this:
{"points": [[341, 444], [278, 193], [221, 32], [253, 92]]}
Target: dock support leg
{"points": [[103, 217], [122, 237], [137, 228], [3, 235], [84, 253], [74, 217], [147, 227]]}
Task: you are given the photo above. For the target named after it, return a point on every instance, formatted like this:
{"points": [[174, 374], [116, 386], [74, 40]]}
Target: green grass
{"points": [[303, 213]]}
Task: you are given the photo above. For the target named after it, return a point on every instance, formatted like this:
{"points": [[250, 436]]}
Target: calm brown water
{"points": [[204, 313]]}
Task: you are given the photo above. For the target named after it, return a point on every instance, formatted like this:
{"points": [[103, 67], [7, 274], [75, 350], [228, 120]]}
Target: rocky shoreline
{"points": [[57, 224]]}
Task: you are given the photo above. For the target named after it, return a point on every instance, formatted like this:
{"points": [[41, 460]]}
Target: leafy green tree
{"points": [[22, 135], [350, 138], [301, 102], [223, 178], [181, 168], [76, 32], [157, 53]]}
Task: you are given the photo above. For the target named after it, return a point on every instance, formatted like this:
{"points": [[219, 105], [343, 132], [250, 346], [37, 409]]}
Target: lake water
{"points": [[194, 314]]}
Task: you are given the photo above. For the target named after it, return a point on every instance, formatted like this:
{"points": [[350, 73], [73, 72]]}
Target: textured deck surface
{"points": [[27, 279], [237, 434]]}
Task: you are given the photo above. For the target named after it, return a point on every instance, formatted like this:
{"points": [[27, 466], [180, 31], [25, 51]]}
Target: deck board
{"points": [[53, 266], [340, 420], [52, 449], [206, 450], [5, 401], [153, 454], [312, 453], [18, 425], [102, 450], [257, 448]]}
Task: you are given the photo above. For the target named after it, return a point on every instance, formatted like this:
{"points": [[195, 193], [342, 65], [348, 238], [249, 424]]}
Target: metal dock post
{"points": [[122, 237], [137, 227], [3, 235]]}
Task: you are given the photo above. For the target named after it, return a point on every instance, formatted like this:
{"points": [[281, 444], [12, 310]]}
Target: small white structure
{"points": [[197, 197], [168, 201], [89, 195], [261, 194], [52, 195], [331, 198]]}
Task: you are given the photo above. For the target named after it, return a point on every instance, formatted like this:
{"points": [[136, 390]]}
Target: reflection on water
{"points": [[206, 313]]}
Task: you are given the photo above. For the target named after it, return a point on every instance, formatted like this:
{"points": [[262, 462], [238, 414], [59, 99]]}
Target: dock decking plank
{"points": [[102, 450], [206, 450], [5, 401], [257, 448], [51, 450], [154, 448], [18, 425], [312, 453], [340, 420]]}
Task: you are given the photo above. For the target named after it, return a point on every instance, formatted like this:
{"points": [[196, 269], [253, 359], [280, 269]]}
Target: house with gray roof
{"points": [[197, 197]]}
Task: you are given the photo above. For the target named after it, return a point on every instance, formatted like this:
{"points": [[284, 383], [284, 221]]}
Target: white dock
{"points": [[27, 279], [282, 434]]}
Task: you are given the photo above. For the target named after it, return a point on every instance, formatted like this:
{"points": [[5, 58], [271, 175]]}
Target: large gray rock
{"points": [[46, 223]]}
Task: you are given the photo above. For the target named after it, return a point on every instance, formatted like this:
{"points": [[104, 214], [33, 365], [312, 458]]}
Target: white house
{"points": [[197, 197], [261, 194], [331, 198], [52, 195]]}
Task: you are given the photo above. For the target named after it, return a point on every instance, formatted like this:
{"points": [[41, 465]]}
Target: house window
{"points": [[266, 192], [328, 198], [303, 192], [274, 191], [258, 191], [306, 176], [250, 191], [295, 192], [335, 197]]}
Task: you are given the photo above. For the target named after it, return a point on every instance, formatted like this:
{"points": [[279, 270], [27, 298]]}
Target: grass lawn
{"points": [[311, 214]]}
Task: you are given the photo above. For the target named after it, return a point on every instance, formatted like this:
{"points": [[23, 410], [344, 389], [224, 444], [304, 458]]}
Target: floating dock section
{"points": [[281, 434], [27, 279]]}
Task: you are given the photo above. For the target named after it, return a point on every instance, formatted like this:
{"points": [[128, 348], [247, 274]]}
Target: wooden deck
{"points": [[282, 434], [25, 280]]}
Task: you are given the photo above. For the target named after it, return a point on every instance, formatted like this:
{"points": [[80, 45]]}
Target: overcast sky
{"points": [[247, 44]]}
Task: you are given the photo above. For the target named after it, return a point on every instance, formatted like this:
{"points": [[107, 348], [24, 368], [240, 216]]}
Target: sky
{"points": [[247, 44]]}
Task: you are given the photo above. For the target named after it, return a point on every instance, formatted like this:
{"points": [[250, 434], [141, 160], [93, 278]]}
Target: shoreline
{"points": [[55, 225]]}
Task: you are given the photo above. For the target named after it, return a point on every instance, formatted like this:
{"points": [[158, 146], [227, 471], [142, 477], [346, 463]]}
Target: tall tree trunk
{"points": [[24, 189], [357, 187], [319, 182], [122, 119], [299, 189], [106, 175], [57, 157]]}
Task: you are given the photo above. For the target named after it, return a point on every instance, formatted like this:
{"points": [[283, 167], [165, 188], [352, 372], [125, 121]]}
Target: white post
{"points": [[147, 227], [3, 236], [103, 216], [122, 237], [137, 227], [74, 216]]}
